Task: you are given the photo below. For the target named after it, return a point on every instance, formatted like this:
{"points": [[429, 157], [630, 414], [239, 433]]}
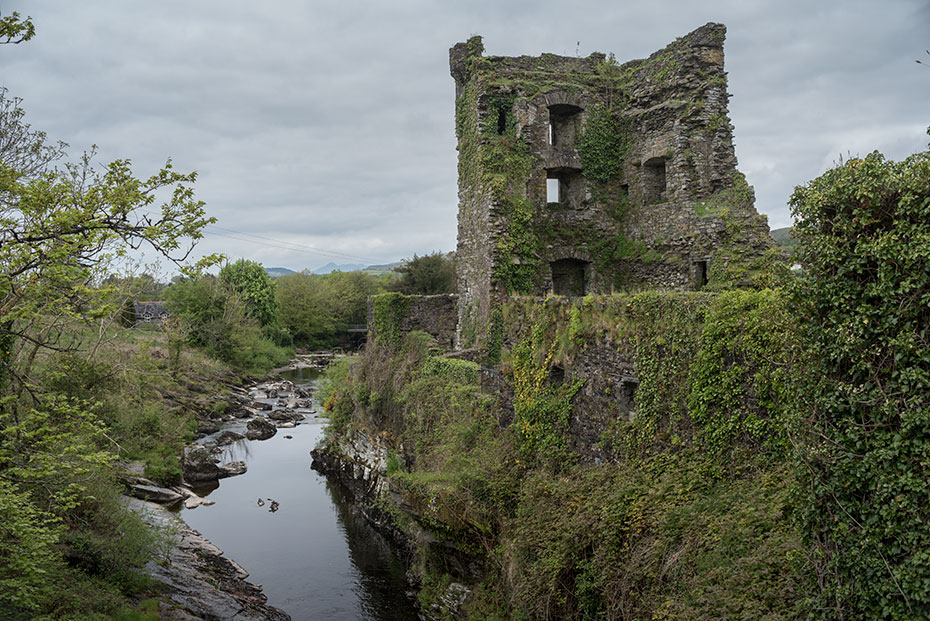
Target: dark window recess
{"points": [[654, 185], [628, 397], [501, 121], [562, 124], [568, 277], [556, 374], [699, 274]]}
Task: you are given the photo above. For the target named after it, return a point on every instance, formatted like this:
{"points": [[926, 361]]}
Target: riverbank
{"points": [[193, 576], [195, 580], [294, 531]]}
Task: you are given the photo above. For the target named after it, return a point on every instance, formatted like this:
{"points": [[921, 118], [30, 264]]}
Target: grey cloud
{"points": [[331, 124]]}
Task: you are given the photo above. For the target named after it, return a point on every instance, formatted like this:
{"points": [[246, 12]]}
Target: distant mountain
{"points": [[387, 268], [332, 267], [274, 272]]}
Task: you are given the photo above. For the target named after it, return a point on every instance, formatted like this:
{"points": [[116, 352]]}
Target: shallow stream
{"points": [[315, 557]]}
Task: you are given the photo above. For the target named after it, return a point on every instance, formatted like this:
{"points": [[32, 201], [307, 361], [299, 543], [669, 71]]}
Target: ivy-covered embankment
{"points": [[672, 503], [755, 454]]}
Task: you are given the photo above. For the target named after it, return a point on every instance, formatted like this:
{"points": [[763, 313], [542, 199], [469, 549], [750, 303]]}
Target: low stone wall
{"points": [[394, 314]]}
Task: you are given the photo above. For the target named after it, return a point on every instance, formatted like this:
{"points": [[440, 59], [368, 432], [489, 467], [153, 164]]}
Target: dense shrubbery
{"points": [[864, 304], [213, 315], [317, 310]]}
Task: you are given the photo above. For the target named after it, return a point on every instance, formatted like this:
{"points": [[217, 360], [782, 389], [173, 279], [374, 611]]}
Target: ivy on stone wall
{"points": [[864, 304], [542, 408], [603, 145], [389, 310]]}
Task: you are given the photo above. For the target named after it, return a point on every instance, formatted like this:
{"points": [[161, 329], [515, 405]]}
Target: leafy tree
{"points": [[250, 280], [863, 299], [214, 317], [430, 274], [62, 227], [14, 29], [317, 310]]}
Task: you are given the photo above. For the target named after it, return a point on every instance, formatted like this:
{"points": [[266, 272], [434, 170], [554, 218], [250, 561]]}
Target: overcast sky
{"points": [[329, 125]]}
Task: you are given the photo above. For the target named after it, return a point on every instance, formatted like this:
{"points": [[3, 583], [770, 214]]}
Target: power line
{"points": [[287, 245], [278, 243]]}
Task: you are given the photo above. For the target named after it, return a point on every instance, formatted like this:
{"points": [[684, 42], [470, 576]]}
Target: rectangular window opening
{"points": [[552, 190]]}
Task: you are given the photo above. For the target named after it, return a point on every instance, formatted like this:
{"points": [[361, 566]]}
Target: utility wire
{"points": [[266, 241]]}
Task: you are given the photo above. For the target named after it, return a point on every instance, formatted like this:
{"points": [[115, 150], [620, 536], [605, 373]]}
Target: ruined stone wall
{"points": [[436, 315], [625, 174]]}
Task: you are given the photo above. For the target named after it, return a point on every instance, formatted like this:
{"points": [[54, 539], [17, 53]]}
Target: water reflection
{"points": [[316, 557], [375, 558]]}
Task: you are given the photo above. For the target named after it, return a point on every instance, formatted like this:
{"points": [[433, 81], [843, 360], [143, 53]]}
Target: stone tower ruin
{"points": [[582, 175]]}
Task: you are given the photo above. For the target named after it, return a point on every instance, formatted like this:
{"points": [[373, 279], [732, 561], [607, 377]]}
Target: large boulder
{"points": [[260, 429], [199, 464]]}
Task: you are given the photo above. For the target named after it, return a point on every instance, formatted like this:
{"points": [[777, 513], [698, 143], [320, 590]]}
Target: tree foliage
{"points": [[318, 309], [63, 226], [14, 29], [250, 280], [864, 302], [216, 318], [430, 274]]}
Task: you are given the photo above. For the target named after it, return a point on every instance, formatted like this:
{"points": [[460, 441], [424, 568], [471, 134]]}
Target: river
{"points": [[315, 557]]}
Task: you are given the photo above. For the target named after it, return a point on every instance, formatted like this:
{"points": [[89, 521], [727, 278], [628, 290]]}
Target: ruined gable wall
{"points": [[642, 154]]}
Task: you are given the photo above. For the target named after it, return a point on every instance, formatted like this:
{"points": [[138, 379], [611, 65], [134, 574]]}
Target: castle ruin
{"points": [[582, 175]]}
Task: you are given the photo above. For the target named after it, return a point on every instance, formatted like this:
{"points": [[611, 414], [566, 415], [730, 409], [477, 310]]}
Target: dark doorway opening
{"points": [[568, 277], [501, 121], [699, 274]]}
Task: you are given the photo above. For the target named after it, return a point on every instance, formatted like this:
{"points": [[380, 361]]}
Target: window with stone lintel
{"points": [[562, 124]]}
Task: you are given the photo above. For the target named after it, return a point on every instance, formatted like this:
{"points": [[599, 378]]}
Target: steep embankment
{"points": [[626, 459]]}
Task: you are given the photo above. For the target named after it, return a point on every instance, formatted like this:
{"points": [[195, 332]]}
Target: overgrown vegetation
{"points": [[863, 299], [77, 391], [680, 521]]}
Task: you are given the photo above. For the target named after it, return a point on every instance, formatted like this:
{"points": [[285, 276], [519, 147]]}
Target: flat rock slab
{"points": [[199, 582], [153, 493]]}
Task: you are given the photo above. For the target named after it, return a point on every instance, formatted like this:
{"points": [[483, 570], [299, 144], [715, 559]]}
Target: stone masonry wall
{"points": [[434, 314], [625, 173]]}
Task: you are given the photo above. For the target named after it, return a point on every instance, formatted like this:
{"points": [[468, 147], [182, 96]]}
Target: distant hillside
{"points": [[332, 267], [275, 272], [784, 238]]}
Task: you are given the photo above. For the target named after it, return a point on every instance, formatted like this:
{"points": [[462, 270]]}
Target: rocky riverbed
{"points": [[197, 581]]}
